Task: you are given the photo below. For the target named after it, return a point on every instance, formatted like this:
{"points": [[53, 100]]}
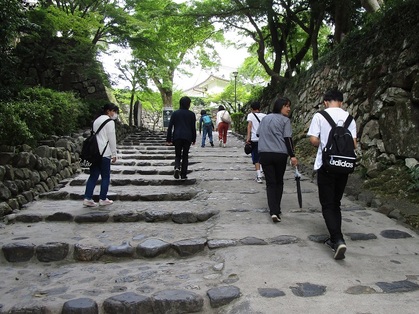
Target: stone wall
{"points": [[26, 172], [381, 90]]}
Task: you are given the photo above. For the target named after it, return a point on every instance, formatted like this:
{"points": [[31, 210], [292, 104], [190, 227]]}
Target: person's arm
{"points": [[200, 124], [249, 131], [169, 139], [111, 134], [315, 141], [290, 148]]}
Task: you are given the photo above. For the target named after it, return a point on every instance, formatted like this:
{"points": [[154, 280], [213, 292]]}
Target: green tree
{"points": [[13, 20], [171, 33], [134, 72]]}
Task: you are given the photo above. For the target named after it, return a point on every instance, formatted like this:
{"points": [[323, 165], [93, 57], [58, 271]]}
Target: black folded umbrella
{"points": [[297, 180]]}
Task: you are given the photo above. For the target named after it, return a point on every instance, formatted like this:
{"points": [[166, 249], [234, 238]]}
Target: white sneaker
{"points": [[259, 180], [90, 203], [224, 145], [105, 202]]}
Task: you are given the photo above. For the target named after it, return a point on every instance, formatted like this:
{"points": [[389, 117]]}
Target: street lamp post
{"points": [[235, 90]]}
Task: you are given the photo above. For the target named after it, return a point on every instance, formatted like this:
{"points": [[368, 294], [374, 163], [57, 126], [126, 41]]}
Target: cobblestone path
{"points": [[204, 245]]}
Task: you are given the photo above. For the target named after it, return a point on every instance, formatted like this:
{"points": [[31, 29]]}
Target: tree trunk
{"points": [[372, 5], [342, 19], [131, 105]]}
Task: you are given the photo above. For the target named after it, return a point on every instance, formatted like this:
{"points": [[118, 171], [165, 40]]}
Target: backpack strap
{"points": [[257, 118], [328, 118], [348, 121]]}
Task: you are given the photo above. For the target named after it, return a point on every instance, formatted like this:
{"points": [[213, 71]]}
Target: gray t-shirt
{"points": [[272, 130]]}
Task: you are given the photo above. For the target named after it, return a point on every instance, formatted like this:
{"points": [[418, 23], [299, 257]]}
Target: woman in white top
{"points": [[222, 123], [106, 140]]}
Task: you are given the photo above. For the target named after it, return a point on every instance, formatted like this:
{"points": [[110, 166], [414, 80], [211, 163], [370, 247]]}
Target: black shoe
{"points": [[212, 144], [276, 218], [177, 173], [339, 248], [184, 178]]}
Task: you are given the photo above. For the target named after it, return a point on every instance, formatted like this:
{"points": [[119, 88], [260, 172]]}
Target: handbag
{"points": [[225, 117], [248, 148]]}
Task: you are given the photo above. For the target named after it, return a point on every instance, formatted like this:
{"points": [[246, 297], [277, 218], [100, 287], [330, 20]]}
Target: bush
{"points": [[63, 109], [13, 130], [38, 113], [239, 122]]}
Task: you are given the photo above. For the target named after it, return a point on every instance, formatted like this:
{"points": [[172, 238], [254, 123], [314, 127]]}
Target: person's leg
{"points": [[185, 158], [204, 135], [178, 153], [280, 164], [91, 181], [331, 187], [267, 160], [225, 133], [255, 160], [210, 135], [105, 174]]}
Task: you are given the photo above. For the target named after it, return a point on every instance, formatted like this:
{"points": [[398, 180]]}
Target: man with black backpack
{"points": [[333, 131]]}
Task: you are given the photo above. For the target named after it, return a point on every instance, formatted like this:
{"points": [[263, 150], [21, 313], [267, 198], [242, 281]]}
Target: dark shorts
{"points": [[255, 153]]}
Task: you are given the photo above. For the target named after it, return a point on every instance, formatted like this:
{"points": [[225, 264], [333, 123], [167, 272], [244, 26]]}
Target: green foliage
{"points": [[13, 129], [38, 113], [414, 175], [239, 122], [12, 22]]}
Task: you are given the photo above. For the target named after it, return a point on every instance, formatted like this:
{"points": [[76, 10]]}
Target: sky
{"points": [[231, 59]]}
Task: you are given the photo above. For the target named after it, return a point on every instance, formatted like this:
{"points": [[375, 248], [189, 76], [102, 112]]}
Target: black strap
{"points": [[328, 118], [332, 123], [256, 117], [101, 126], [98, 130]]}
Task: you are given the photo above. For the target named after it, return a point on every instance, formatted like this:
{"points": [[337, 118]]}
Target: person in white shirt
{"points": [[330, 185], [106, 140], [253, 121], [222, 123]]}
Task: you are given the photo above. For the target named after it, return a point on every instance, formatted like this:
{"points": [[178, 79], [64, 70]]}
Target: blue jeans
{"points": [[206, 130], [104, 170]]}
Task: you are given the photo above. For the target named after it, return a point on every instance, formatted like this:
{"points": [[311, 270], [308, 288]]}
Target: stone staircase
{"points": [[203, 245], [156, 223]]}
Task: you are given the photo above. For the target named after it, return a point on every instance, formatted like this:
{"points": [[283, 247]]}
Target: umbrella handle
{"points": [[297, 173]]}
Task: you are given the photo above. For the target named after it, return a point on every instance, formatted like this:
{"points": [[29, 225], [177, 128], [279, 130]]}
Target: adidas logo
{"points": [[340, 163]]}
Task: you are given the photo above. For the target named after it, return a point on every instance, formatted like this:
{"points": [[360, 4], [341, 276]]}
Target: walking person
{"points": [[106, 140], [222, 123], [330, 185], [181, 133], [253, 121], [275, 145], [205, 123]]}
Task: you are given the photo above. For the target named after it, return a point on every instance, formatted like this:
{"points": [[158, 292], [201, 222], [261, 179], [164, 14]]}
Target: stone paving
{"points": [[204, 245]]}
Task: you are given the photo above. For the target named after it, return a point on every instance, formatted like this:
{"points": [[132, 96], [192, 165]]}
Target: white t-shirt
{"points": [[255, 124], [107, 134], [320, 128]]}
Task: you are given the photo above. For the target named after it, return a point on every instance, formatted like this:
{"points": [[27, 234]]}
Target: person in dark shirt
{"points": [[181, 133]]}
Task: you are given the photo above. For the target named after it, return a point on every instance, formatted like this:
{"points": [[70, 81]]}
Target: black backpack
{"points": [[90, 154], [339, 154]]}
